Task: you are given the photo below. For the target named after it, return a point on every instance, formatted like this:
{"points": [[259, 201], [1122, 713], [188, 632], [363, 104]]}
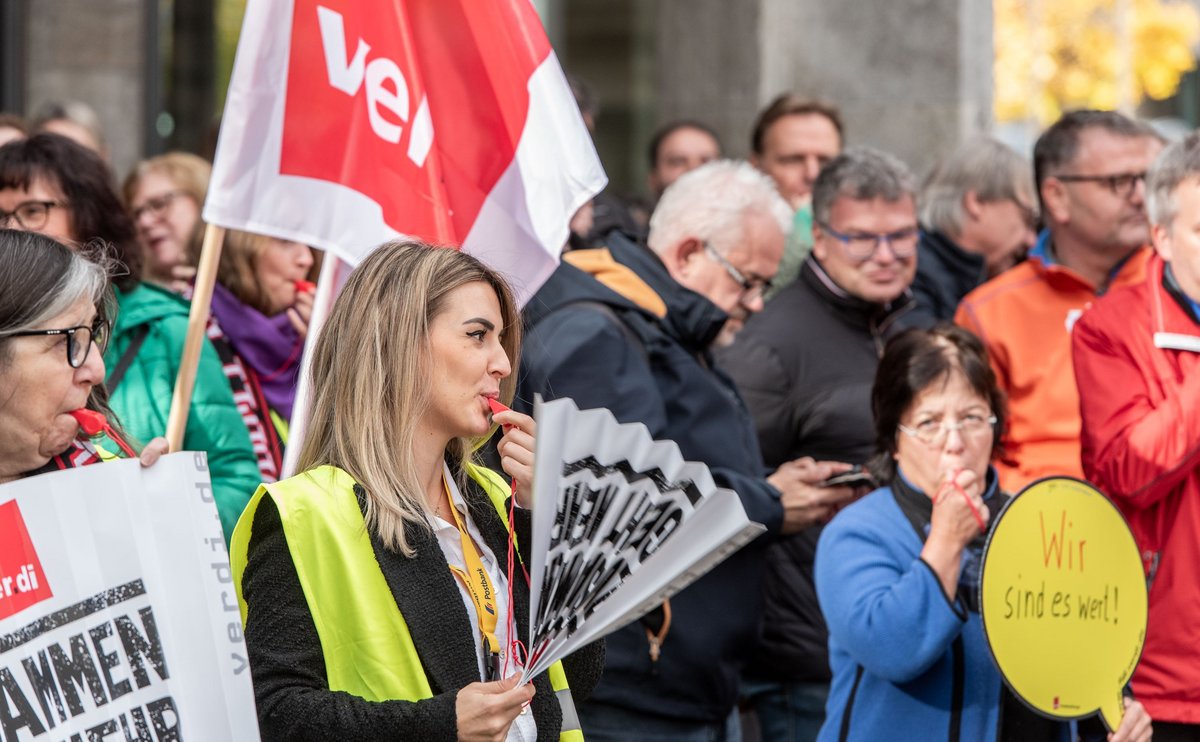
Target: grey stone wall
{"points": [[709, 65], [91, 50], [913, 77]]}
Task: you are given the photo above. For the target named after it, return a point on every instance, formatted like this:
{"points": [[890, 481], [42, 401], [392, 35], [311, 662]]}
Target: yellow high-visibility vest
{"points": [[368, 650]]}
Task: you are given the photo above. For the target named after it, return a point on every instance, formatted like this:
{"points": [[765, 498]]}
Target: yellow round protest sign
{"points": [[1063, 599]]}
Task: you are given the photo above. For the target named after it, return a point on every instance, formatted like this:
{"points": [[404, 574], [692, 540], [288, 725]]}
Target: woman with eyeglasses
{"points": [[164, 195], [261, 302], [51, 185], [52, 334], [897, 573]]}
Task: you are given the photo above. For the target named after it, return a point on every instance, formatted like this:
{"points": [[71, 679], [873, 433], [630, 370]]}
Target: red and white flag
{"points": [[352, 122]]}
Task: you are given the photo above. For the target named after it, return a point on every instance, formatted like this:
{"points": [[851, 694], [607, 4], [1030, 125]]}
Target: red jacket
{"points": [[1137, 366]]}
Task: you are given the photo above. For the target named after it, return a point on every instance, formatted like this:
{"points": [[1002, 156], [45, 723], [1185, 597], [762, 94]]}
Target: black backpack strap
{"points": [[135, 344]]}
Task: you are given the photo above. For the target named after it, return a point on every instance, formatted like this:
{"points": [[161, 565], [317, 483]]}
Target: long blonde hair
{"points": [[370, 372]]}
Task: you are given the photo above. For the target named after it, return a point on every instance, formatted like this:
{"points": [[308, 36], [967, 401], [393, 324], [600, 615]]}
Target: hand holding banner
{"points": [[117, 609]]}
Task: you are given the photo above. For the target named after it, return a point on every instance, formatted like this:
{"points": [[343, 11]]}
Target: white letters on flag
{"points": [[351, 123]]}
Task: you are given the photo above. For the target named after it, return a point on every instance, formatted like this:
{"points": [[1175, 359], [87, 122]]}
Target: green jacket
{"points": [[142, 400]]}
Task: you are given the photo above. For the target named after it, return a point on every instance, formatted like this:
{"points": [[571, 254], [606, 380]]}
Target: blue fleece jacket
{"points": [[893, 635]]}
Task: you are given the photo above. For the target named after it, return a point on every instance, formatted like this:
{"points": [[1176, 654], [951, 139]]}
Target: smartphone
{"points": [[855, 477]]}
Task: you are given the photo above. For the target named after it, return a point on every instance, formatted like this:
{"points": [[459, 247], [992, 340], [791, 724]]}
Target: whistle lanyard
{"points": [[479, 587]]}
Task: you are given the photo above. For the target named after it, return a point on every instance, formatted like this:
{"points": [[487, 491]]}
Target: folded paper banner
{"points": [[620, 523], [118, 618]]}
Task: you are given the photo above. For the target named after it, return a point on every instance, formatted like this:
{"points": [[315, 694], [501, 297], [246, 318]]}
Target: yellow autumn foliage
{"points": [[1055, 55]]}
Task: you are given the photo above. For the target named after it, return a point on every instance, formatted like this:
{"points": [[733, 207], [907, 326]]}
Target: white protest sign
{"points": [[118, 619]]}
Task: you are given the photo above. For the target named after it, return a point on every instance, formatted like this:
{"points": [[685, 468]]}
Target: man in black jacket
{"points": [[805, 367], [631, 329], [979, 218]]}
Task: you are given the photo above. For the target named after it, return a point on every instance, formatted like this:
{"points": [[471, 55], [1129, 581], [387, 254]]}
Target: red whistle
{"points": [[305, 287], [90, 422], [497, 408]]}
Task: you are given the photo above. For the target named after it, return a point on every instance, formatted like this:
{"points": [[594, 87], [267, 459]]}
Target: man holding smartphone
{"points": [[805, 366]]}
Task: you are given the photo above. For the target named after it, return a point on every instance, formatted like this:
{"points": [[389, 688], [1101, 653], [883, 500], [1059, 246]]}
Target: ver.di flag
{"points": [[351, 123]]}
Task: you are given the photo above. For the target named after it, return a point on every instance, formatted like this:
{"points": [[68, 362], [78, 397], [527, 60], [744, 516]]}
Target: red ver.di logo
{"points": [[398, 99], [22, 582]]}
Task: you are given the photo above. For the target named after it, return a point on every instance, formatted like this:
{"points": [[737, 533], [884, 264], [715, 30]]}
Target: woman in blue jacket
{"points": [[897, 573]]}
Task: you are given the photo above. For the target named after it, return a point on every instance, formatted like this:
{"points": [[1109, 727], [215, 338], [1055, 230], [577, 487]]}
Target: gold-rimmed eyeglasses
{"points": [[935, 432]]}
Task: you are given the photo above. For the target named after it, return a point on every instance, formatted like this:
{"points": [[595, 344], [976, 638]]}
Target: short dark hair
{"points": [[670, 128], [1057, 146], [585, 96], [96, 210], [912, 361], [790, 104], [75, 111]]}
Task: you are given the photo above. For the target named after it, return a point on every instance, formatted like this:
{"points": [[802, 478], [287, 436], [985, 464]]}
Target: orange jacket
{"points": [[1024, 317]]}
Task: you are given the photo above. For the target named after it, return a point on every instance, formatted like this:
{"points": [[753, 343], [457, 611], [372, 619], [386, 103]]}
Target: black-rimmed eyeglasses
{"points": [[31, 215], [1121, 184], [860, 246], [752, 288], [79, 340]]}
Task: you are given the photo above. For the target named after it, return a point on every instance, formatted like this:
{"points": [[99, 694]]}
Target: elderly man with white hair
{"points": [[631, 329]]}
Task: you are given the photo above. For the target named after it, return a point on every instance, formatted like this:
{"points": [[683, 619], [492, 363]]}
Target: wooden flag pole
{"points": [[185, 380]]}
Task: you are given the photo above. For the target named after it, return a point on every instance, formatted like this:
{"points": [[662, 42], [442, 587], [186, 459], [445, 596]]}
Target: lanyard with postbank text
{"points": [[479, 587]]}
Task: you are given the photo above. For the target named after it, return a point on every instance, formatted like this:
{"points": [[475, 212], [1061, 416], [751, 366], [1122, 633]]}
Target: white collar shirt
{"points": [[523, 728]]}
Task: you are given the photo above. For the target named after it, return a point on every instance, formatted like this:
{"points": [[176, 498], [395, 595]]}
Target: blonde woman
{"points": [[164, 195], [260, 308], [373, 585], [260, 311]]}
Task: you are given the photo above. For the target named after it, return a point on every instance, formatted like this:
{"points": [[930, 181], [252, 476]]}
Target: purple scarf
{"points": [[270, 346]]}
